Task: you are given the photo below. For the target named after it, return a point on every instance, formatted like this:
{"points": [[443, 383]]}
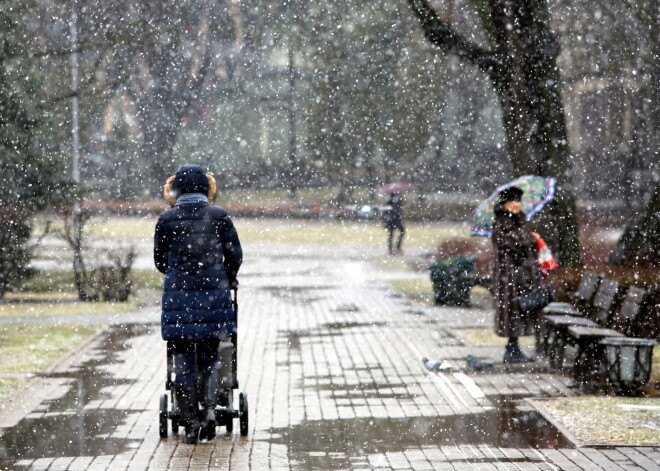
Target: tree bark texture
{"points": [[640, 243], [521, 64]]}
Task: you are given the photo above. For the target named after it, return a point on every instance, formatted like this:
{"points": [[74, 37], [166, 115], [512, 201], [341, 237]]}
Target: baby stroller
{"points": [[224, 408]]}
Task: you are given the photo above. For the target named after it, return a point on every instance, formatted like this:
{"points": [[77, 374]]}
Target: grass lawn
{"points": [[361, 233], [112, 227], [27, 348], [348, 232], [52, 293], [27, 307], [30, 348], [419, 290], [486, 337], [613, 421], [655, 366]]}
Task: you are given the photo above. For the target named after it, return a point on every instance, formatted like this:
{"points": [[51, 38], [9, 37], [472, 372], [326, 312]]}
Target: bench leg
{"points": [[557, 344], [561, 349], [547, 342], [581, 366], [588, 362], [551, 352], [540, 341]]}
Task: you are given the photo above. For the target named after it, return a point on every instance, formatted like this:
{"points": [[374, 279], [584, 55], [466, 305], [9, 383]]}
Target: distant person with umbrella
{"points": [[393, 220], [515, 272], [393, 216]]}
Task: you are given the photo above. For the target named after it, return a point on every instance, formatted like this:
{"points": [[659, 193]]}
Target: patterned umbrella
{"points": [[395, 187], [537, 192]]}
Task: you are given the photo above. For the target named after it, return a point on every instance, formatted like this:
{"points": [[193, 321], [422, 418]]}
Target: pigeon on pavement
{"points": [[435, 366], [474, 364]]}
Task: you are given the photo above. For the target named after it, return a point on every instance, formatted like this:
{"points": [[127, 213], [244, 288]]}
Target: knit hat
{"points": [[510, 194], [190, 179]]}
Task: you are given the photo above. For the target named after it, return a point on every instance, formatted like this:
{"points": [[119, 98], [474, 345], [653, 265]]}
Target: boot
{"points": [[513, 354], [186, 397], [209, 393]]}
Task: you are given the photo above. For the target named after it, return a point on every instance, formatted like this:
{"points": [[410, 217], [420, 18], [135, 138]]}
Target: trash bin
{"points": [[452, 280]]}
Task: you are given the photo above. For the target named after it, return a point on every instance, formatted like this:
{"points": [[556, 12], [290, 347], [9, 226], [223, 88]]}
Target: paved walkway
{"points": [[330, 358]]}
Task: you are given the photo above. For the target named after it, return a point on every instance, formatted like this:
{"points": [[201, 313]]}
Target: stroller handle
{"points": [[234, 302]]}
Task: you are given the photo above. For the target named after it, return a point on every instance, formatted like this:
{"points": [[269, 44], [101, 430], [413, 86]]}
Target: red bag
{"points": [[546, 261]]}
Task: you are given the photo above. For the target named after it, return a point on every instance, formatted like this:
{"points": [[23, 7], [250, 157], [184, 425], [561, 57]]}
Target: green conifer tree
{"points": [[28, 174]]}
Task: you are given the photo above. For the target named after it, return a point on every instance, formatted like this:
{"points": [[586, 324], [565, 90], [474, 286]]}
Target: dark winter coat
{"points": [[393, 217], [197, 247], [515, 272]]}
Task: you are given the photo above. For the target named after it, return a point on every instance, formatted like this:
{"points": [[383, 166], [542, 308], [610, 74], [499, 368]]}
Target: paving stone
{"points": [[331, 361]]}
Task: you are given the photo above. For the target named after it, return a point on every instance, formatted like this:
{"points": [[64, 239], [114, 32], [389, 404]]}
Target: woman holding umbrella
{"points": [[515, 272]]}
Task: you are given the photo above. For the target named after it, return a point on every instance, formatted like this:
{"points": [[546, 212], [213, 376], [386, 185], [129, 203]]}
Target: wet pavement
{"points": [[329, 356]]}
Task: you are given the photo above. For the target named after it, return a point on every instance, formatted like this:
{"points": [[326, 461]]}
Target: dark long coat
{"points": [[197, 247], [515, 272], [393, 217]]}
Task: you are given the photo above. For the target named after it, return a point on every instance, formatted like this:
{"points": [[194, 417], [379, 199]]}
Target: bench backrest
{"points": [[647, 322], [627, 317], [588, 286], [604, 301]]}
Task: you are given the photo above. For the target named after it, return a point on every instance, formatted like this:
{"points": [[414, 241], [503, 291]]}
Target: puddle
{"points": [[297, 294], [66, 428], [293, 338], [367, 389], [415, 312], [81, 434], [331, 444], [352, 325], [347, 308], [359, 394]]}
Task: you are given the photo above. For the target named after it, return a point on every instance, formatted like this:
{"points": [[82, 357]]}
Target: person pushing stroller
{"points": [[197, 247]]}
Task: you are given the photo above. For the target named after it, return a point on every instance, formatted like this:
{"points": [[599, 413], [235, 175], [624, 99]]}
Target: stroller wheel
{"points": [[229, 419], [175, 424], [163, 416], [243, 413], [174, 416]]}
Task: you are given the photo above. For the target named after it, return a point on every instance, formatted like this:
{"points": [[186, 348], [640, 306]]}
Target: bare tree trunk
{"points": [[640, 243], [522, 68]]}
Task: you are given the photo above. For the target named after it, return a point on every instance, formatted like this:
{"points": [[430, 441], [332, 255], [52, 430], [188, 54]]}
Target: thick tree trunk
{"points": [[511, 81], [649, 13], [522, 67], [640, 243], [549, 139]]}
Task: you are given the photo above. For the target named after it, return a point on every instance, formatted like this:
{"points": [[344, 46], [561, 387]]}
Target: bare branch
{"points": [[84, 87], [39, 238], [441, 35]]}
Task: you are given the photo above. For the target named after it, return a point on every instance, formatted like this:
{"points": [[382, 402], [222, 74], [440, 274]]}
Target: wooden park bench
{"points": [[555, 312], [593, 314], [624, 323], [580, 299]]}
